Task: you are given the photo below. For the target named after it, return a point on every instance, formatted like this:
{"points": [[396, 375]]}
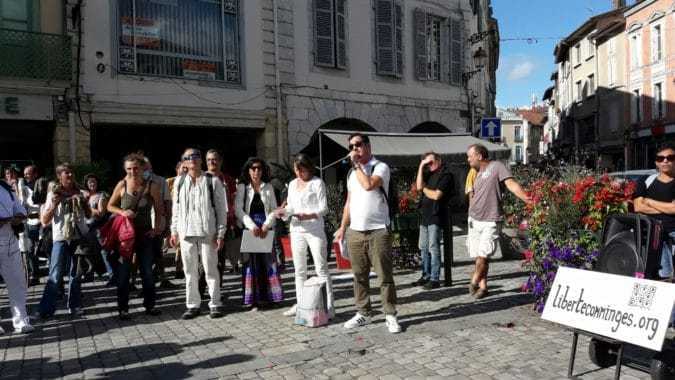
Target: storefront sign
{"points": [[628, 309], [26, 107], [146, 32], [199, 70]]}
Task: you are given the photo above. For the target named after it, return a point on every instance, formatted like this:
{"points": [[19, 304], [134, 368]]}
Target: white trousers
{"points": [[12, 271], [316, 242], [190, 251]]}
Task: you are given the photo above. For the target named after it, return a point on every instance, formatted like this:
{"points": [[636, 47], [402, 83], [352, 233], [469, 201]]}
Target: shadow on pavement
{"points": [[122, 357]]}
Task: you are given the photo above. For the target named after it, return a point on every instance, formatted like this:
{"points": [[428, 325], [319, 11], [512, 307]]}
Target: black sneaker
{"points": [[216, 313], [154, 311], [190, 313], [432, 285], [420, 282]]}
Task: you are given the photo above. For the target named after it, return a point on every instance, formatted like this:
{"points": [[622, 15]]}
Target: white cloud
{"points": [[521, 70]]}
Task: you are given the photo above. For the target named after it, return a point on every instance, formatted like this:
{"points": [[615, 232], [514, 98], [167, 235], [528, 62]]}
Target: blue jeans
{"points": [[62, 252], [430, 248], [666, 270], [145, 257]]}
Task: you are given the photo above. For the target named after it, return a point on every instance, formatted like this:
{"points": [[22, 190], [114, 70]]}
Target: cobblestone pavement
{"points": [[446, 335]]}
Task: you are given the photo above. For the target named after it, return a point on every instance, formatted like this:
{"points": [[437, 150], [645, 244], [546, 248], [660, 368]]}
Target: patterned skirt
{"points": [[261, 280]]}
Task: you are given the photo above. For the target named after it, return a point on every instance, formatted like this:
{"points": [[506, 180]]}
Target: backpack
{"points": [[390, 196]]}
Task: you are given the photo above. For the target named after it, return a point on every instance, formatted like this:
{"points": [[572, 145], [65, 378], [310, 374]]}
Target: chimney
{"points": [[616, 4]]}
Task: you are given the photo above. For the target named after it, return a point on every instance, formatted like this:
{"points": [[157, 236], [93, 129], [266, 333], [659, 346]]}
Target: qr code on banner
{"points": [[642, 296]]}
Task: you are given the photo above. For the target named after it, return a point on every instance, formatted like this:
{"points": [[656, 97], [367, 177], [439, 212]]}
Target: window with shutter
{"points": [[421, 57], [389, 37], [398, 37], [324, 47], [330, 33], [384, 37], [456, 52]]}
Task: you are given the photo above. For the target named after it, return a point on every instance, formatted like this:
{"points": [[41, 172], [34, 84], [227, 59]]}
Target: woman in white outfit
{"points": [[305, 207]]}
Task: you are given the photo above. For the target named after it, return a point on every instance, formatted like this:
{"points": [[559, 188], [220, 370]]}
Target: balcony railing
{"points": [[30, 55]]}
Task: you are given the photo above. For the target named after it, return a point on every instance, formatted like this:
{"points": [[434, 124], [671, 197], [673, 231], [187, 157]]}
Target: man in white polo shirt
{"points": [[368, 238]]}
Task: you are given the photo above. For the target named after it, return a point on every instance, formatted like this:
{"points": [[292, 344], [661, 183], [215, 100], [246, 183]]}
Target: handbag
{"points": [[87, 244], [312, 309]]}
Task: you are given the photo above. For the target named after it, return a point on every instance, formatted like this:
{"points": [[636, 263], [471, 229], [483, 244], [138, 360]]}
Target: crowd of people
{"points": [[203, 214]]}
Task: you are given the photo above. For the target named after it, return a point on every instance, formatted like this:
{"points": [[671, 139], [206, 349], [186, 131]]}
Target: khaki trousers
{"points": [[366, 249]]}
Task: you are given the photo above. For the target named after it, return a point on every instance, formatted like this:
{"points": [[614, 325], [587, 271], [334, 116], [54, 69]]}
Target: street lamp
{"points": [[479, 57]]}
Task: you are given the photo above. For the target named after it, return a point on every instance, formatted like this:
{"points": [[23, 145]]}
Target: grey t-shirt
{"points": [[485, 205]]}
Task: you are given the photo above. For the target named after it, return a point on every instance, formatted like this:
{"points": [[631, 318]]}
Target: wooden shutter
{"points": [[421, 58], [324, 48], [398, 37], [341, 34], [456, 52], [384, 37]]}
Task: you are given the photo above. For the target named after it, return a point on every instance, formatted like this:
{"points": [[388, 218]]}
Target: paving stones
{"points": [[447, 335]]}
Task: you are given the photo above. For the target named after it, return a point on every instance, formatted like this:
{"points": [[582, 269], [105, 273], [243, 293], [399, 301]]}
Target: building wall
{"points": [[321, 95], [650, 130]]}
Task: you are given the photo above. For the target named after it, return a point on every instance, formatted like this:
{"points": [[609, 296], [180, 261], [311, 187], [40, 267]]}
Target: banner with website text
{"points": [[628, 309]]}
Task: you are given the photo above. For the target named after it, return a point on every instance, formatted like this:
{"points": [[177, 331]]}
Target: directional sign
{"points": [[490, 127]]}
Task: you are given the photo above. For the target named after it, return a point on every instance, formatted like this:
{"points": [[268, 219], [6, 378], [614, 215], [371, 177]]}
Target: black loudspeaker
{"points": [[631, 246]]}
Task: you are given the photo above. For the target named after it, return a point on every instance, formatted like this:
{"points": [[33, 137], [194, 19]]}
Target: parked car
{"points": [[633, 175]]}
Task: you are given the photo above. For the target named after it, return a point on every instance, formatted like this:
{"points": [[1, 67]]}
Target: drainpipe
{"points": [[277, 84]]}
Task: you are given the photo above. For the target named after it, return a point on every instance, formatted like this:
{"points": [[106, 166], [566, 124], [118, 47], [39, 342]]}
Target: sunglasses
{"points": [[357, 144], [193, 156], [254, 168], [670, 158]]}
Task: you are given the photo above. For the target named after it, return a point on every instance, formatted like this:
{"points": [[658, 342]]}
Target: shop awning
{"points": [[405, 149]]}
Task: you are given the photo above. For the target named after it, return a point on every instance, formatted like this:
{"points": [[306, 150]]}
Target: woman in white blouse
{"points": [[306, 205]]}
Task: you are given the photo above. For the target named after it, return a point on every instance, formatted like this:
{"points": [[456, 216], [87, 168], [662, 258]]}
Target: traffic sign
{"points": [[490, 127]]}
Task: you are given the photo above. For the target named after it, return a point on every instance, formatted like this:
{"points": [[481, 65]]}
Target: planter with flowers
{"points": [[564, 222]]}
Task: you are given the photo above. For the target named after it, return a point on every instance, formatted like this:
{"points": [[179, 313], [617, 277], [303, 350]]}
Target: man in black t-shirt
{"points": [[656, 197], [436, 188]]}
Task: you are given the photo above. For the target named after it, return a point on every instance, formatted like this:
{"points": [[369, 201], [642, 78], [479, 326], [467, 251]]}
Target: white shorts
{"points": [[482, 239]]}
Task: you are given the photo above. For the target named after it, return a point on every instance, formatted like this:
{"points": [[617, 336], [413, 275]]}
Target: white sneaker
{"points": [[291, 312], [392, 324], [25, 329], [357, 321]]}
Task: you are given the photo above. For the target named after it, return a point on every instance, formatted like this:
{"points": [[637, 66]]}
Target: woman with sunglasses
{"points": [[133, 198], [306, 205], [255, 203]]}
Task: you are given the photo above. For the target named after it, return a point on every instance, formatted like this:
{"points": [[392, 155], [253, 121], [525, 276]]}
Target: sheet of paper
{"points": [[252, 244]]}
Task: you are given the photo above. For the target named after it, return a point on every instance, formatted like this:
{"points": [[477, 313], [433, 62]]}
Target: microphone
{"points": [[346, 160]]}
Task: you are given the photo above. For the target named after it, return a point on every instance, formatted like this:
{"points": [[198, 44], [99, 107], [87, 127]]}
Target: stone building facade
{"points": [[259, 77]]}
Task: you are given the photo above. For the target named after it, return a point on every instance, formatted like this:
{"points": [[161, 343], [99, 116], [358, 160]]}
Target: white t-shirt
{"points": [[368, 210]]}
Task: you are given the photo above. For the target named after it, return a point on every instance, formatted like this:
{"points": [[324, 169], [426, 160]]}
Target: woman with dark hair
{"points": [[254, 206], [98, 203], [134, 197], [306, 205]]}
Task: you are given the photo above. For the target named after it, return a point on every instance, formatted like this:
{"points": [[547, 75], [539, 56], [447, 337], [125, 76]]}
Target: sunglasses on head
{"points": [[193, 156], [670, 158], [357, 144]]}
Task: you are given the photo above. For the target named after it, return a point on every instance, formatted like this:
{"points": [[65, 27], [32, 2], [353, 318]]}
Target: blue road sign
{"points": [[490, 127]]}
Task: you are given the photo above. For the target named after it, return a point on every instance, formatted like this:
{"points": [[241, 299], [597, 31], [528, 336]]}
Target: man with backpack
{"points": [[198, 224], [13, 214], [655, 197], [367, 214]]}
